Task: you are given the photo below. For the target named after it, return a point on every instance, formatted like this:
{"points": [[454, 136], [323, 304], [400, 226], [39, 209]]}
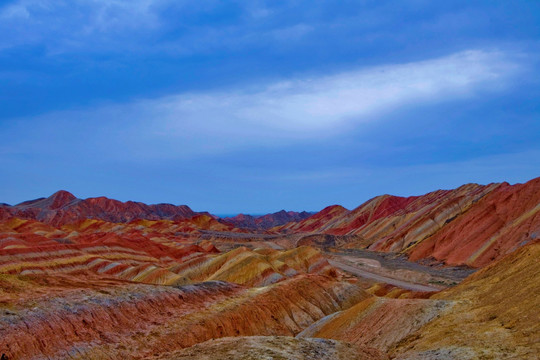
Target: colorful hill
{"points": [[103, 279], [155, 252], [63, 208], [63, 317], [471, 225]]}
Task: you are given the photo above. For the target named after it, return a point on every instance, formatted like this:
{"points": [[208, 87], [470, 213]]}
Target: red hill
{"points": [[471, 225], [62, 208]]}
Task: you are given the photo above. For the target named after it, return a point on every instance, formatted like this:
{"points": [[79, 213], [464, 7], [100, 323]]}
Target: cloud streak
{"points": [[284, 112], [315, 107]]}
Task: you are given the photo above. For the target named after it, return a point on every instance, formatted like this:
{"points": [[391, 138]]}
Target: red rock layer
{"points": [[141, 251], [503, 220], [470, 225], [154, 252]]}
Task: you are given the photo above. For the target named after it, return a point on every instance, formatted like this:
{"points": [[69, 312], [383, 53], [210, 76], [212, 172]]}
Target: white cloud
{"points": [[310, 108], [315, 106]]}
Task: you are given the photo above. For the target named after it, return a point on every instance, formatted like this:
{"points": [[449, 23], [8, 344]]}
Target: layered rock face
{"points": [[255, 268], [154, 252], [504, 220], [471, 225], [142, 251]]}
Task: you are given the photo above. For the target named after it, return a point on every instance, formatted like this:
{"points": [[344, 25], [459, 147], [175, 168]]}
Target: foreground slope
{"points": [[493, 314]]}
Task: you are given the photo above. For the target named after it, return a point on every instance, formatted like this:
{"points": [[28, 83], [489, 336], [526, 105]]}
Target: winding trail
{"points": [[380, 278]]}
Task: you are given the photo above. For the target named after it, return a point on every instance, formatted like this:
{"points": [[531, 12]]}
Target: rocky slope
{"points": [[471, 225], [494, 316]]}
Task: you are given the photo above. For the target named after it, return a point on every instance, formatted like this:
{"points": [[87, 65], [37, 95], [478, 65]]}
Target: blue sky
{"points": [[256, 106]]}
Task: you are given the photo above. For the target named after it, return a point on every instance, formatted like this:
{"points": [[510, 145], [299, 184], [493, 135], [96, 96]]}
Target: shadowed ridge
{"points": [[53, 202], [5, 211], [29, 202], [318, 221], [60, 199], [268, 221]]}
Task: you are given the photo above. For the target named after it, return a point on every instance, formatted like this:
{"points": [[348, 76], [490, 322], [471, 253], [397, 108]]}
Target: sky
{"points": [[257, 106]]}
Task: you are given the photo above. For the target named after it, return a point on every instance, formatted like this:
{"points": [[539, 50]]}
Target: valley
{"points": [[453, 274]]}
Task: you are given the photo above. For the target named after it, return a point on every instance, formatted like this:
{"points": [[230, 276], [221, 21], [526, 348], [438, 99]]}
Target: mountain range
{"points": [[452, 274]]}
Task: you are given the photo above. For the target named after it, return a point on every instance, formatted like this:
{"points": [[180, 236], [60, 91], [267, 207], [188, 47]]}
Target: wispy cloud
{"points": [[282, 112], [315, 107]]}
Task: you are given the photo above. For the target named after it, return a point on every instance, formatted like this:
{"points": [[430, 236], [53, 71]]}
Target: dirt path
{"points": [[380, 278]]}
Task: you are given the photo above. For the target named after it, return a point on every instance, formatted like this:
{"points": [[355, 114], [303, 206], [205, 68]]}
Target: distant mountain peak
{"points": [[264, 222], [60, 199]]}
